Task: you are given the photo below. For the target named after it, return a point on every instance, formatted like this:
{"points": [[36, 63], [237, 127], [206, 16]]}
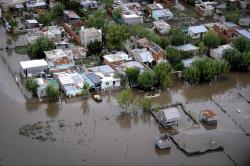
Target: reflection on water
{"points": [[124, 120], [85, 106], [161, 152], [52, 110]]}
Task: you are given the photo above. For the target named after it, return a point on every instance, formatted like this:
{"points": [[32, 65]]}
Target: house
{"points": [[61, 45], [144, 56], [132, 13], [157, 52], [244, 33], [154, 6], [69, 16], [31, 37], [197, 32], [33, 68], [55, 33], [78, 53], [162, 14], [116, 59], [95, 80], [208, 117], [88, 35], [58, 60], [169, 116], [29, 24], [226, 30], [122, 68], [216, 53], [107, 76], [204, 9], [162, 27], [71, 82], [188, 48], [189, 61], [42, 85], [35, 4]]}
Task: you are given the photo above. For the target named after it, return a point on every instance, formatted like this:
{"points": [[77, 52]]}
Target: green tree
{"points": [[45, 18], [97, 20], [94, 48], [13, 23], [132, 74], [52, 93], [125, 98], [116, 35], [85, 89], [174, 56], [178, 37], [146, 104], [84, 14], [238, 61], [36, 49], [211, 39], [233, 16], [107, 3], [242, 44], [163, 71], [147, 79], [31, 85], [57, 11], [192, 74]]}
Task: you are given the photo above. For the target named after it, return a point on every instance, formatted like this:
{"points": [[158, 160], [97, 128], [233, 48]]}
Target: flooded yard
{"points": [[83, 132]]}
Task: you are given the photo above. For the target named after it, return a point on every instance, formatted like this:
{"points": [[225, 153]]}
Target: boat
{"points": [[152, 96], [208, 117], [97, 97], [162, 141], [238, 110]]}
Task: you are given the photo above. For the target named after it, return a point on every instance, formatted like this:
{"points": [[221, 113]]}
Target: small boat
{"points": [[152, 96], [97, 97], [238, 110], [208, 117], [162, 141]]}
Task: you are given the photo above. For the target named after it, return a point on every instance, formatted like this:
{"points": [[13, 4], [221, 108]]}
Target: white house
{"points": [[33, 67], [216, 53], [32, 23], [197, 32], [188, 48], [170, 116], [132, 13], [162, 27], [88, 35]]}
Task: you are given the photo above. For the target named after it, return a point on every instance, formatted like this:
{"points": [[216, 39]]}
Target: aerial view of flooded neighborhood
{"points": [[124, 82]]}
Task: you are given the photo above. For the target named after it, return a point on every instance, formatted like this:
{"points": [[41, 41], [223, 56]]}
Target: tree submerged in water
{"points": [[31, 85], [52, 93]]}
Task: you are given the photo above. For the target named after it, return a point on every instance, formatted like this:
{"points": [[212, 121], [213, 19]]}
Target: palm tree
{"points": [[85, 89]]}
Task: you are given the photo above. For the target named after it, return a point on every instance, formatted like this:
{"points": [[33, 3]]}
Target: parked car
{"points": [[97, 97]]}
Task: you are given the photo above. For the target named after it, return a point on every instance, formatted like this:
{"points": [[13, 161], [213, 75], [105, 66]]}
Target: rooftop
{"points": [[32, 21], [155, 6], [131, 64], [161, 24], [144, 42], [71, 14], [198, 29], [171, 113], [186, 47], [33, 63], [244, 33], [162, 13], [145, 55], [118, 56], [105, 69], [208, 114], [55, 54]]}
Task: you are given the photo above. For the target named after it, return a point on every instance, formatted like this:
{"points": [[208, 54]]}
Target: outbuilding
{"points": [[197, 32], [170, 116]]}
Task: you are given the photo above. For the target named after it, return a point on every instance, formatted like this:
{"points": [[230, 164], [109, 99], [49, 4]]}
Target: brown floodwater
{"points": [[110, 136]]}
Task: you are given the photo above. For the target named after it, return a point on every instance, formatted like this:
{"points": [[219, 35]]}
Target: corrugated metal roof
{"points": [[197, 29], [187, 47], [33, 63], [244, 33], [171, 114]]}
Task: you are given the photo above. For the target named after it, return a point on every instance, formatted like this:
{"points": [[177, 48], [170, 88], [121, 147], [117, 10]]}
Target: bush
{"points": [[146, 104], [242, 44], [31, 85], [174, 56], [125, 98], [132, 74], [211, 39], [163, 72], [52, 93], [233, 16], [178, 37]]}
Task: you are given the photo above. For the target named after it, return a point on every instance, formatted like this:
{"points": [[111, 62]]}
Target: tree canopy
{"points": [[132, 74], [31, 85], [52, 93], [178, 37], [174, 56], [36, 49], [233, 16], [125, 98], [242, 44], [147, 79], [163, 71], [94, 48]]}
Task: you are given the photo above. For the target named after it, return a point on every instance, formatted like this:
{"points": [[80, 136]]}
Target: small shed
{"points": [[197, 32], [216, 53], [33, 67], [29, 24], [188, 48], [162, 27], [170, 116]]}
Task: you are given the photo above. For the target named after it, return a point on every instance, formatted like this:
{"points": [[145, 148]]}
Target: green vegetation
{"points": [[98, 20], [233, 16], [202, 48], [178, 37], [11, 20], [36, 49], [163, 71], [125, 98], [174, 56], [52, 93], [116, 35], [146, 104], [21, 50], [205, 70], [31, 85], [211, 40], [94, 48], [117, 12], [107, 3], [147, 79], [238, 61], [242, 44], [84, 14], [132, 75], [45, 18]]}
